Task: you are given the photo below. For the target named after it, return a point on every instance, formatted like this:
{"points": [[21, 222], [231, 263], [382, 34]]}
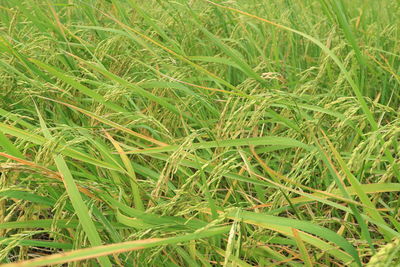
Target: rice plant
{"points": [[199, 133]]}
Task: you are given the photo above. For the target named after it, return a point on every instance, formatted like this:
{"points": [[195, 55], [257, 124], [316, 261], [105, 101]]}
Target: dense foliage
{"points": [[199, 133]]}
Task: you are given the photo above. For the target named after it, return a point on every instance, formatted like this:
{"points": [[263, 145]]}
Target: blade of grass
{"points": [[137, 199], [303, 250], [255, 141], [9, 147], [101, 251], [74, 195]]}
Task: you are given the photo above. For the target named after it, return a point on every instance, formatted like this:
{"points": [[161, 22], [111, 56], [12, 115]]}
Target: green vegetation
{"points": [[199, 133]]}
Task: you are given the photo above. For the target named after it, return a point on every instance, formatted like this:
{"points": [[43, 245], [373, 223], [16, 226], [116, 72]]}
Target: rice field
{"points": [[199, 133]]}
